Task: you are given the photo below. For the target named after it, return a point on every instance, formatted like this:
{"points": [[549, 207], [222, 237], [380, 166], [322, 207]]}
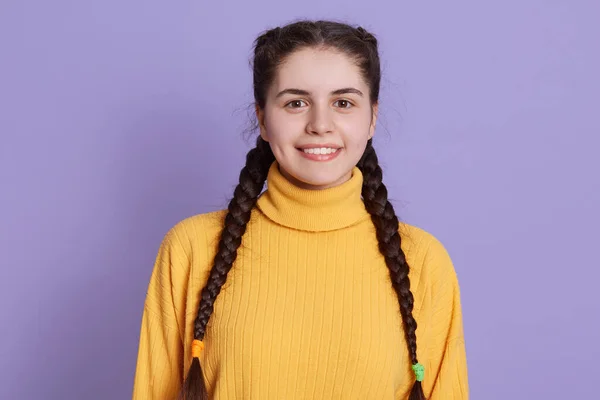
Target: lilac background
{"points": [[119, 118]]}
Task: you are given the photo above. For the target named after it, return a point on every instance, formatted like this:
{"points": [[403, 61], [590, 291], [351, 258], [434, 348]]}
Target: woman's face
{"points": [[317, 118]]}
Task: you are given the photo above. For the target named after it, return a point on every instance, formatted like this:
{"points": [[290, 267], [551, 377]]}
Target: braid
{"points": [[251, 182], [386, 225]]}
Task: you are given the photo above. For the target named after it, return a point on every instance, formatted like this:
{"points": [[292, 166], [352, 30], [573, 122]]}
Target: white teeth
{"points": [[320, 150]]}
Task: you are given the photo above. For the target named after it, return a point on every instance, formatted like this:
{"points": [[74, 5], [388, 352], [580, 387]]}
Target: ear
{"points": [[260, 116], [374, 114]]}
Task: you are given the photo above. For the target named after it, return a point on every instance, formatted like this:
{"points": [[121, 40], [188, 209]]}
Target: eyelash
{"points": [[345, 108]]}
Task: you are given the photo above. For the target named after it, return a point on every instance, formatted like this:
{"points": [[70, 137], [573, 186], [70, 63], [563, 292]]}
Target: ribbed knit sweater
{"points": [[308, 310]]}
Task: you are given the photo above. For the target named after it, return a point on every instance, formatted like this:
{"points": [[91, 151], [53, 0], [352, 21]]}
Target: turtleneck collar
{"points": [[313, 210]]}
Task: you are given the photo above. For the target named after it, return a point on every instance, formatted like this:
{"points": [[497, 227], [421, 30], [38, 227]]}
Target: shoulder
{"points": [[196, 226], [419, 240], [194, 233], [425, 253]]}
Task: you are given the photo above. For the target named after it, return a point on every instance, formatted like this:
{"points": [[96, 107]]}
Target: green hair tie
{"points": [[419, 371]]}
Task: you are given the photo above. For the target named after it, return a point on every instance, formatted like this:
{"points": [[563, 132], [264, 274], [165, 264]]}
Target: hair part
{"points": [[271, 49]]}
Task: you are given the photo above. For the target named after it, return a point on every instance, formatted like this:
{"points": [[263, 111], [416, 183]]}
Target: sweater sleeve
{"points": [[445, 356], [159, 369]]}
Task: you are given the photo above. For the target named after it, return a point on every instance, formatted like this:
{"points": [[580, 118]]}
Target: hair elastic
{"points": [[419, 371], [197, 347]]}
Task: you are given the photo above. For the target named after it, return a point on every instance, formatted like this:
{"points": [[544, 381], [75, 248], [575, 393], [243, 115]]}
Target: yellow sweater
{"points": [[308, 310]]}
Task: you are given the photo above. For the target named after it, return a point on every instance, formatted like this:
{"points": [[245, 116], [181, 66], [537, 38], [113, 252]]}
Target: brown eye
{"points": [[295, 104], [344, 103]]}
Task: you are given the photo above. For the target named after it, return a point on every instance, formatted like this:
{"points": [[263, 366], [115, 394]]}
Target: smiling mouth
{"points": [[320, 154], [320, 150]]}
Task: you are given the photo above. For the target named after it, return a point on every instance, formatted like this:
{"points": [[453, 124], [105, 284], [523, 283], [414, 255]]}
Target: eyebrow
{"points": [[337, 92]]}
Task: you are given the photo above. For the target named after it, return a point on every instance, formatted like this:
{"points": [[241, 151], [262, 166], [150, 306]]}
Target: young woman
{"points": [[311, 289]]}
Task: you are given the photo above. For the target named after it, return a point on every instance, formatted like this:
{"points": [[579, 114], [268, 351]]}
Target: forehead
{"points": [[318, 70]]}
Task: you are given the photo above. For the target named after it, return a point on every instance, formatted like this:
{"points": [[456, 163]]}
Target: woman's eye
{"points": [[295, 103], [344, 103]]}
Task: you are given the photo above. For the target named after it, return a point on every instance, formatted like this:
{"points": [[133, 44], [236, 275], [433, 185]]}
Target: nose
{"points": [[320, 121]]}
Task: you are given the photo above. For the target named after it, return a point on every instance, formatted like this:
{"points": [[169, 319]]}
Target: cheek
{"points": [[282, 129], [355, 130]]}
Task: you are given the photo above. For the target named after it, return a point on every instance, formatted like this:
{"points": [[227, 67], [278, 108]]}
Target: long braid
{"points": [[385, 220], [251, 182]]}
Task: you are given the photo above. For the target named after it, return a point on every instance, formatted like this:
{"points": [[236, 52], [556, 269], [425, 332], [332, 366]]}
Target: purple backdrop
{"points": [[119, 118]]}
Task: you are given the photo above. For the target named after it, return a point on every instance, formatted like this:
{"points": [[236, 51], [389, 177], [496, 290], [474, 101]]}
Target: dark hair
{"points": [[270, 50]]}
